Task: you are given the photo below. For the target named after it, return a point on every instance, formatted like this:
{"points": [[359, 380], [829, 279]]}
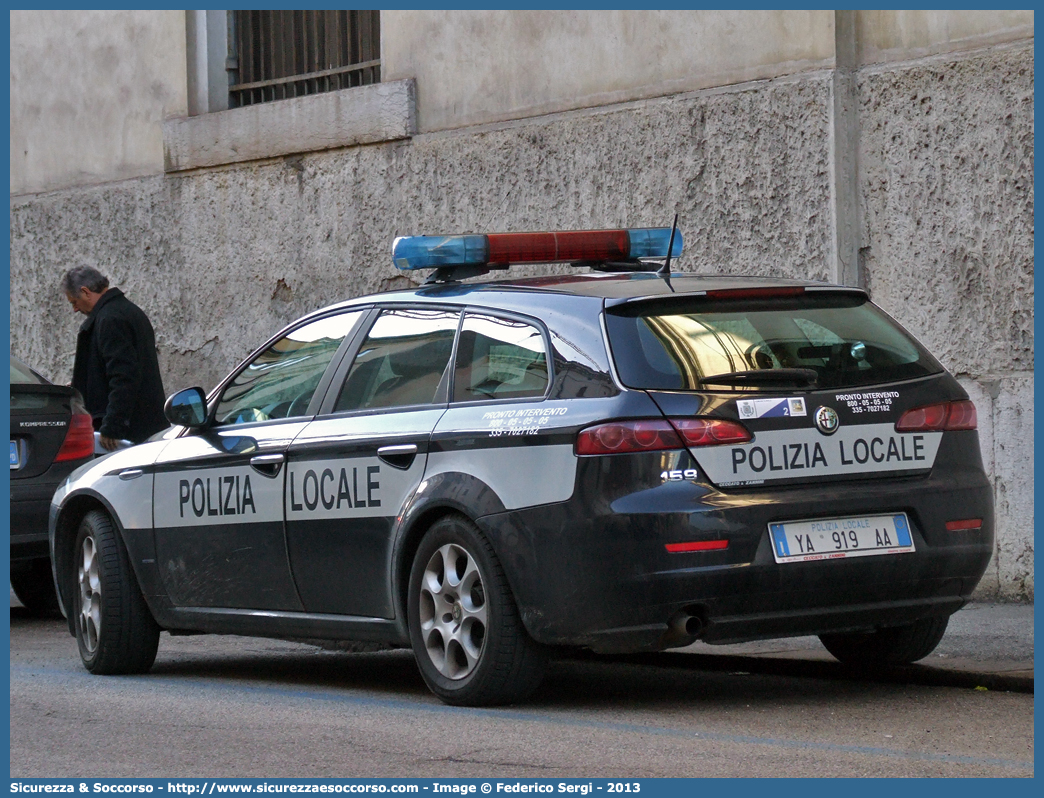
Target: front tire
{"points": [[115, 631], [467, 637], [897, 645]]}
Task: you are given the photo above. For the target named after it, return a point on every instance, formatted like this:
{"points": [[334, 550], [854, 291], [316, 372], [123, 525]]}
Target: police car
{"points": [[619, 458]]}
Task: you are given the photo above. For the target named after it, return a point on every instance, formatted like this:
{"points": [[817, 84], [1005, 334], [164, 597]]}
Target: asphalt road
{"points": [[242, 707]]}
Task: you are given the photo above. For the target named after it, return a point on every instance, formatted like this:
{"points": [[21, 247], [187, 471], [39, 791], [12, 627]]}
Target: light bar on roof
{"points": [[501, 249]]}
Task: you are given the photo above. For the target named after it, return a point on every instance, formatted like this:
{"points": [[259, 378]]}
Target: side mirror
{"points": [[187, 408]]}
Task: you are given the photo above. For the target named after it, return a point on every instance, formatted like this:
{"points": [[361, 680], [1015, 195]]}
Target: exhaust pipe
{"points": [[683, 628]]}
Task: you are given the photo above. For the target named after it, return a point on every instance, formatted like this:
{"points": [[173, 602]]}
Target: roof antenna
{"points": [[665, 270]]}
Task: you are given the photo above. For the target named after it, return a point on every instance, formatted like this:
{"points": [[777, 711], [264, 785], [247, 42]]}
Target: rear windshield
{"points": [[826, 341], [21, 374]]}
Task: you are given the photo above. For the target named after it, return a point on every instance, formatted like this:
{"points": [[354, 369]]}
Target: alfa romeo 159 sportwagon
{"points": [[621, 458]]}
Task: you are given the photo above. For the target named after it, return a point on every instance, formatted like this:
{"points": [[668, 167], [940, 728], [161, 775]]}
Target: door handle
{"points": [[268, 465], [400, 456]]}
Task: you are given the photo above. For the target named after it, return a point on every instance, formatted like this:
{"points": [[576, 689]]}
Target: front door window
{"points": [[280, 382]]}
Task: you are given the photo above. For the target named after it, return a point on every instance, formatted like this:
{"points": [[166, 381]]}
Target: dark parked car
{"points": [[624, 461], [51, 434]]}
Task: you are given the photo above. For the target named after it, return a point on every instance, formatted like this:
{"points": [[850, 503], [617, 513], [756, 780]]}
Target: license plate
{"points": [[16, 455], [840, 538]]}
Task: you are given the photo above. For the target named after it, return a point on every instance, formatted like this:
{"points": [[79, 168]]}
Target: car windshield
{"points": [[21, 374], [809, 341]]}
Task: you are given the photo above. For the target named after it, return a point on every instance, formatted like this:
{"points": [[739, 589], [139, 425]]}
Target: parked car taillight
{"points": [[939, 417], [618, 437], [79, 439], [711, 431]]}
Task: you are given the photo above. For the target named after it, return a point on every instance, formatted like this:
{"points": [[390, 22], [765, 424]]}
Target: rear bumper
{"points": [[30, 506], [595, 572]]}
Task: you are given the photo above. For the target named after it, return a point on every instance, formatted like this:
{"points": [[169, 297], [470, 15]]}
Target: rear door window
{"points": [[403, 362], [499, 358], [836, 340]]}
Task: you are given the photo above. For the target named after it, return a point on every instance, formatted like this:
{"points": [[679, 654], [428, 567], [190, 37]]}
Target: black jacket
{"points": [[116, 369]]}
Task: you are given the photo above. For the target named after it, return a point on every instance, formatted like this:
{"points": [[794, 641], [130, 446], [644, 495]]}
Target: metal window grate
{"points": [[283, 54]]}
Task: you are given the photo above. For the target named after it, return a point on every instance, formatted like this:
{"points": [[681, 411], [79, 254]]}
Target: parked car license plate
{"points": [[839, 538], [16, 459]]}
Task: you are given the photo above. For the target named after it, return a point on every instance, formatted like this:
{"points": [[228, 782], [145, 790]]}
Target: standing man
{"points": [[116, 369]]}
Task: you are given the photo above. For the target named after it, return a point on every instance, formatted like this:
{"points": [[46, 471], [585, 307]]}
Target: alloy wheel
{"points": [[90, 595], [453, 611]]}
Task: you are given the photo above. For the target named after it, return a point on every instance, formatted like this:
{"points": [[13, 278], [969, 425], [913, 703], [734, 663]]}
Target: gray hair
{"points": [[84, 277]]}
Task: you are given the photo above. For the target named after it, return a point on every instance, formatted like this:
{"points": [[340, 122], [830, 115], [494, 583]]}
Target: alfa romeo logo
{"points": [[826, 420]]}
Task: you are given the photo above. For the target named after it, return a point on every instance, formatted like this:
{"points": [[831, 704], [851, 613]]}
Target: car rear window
{"points": [[21, 374], [826, 340]]}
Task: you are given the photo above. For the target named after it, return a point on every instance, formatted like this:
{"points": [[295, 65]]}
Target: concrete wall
{"points": [[89, 90], [946, 170], [947, 185], [221, 258], [941, 170]]}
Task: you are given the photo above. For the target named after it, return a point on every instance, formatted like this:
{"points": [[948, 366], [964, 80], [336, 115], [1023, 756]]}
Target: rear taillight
{"points": [[79, 439], [628, 436], [656, 435], [696, 545], [710, 431], [966, 523], [939, 417]]}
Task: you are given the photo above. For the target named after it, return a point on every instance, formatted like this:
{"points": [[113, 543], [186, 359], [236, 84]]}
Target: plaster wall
{"points": [[89, 90], [899, 35], [485, 66]]}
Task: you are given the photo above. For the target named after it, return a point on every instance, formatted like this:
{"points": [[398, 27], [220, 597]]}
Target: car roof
{"points": [[632, 285], [625, 285], [596, 286]]}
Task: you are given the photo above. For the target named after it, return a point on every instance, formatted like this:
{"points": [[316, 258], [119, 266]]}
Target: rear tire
{"points": [[896, 645], [115, 631], [35, 589], [469, 641]]}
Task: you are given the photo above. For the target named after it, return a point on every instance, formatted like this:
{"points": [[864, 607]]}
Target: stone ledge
{"points": [[363, 115]]}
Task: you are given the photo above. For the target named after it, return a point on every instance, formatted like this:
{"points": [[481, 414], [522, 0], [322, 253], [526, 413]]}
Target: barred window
{"points": [[283, 54]]}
